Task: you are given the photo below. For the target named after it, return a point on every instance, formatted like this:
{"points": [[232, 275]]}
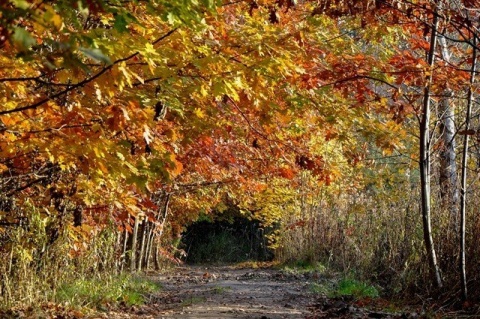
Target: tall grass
{"points": [[376, 231], [35, 264], [100, 292]]}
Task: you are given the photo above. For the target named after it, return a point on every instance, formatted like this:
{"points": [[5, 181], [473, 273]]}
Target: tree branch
{"points": [[81, 83]]}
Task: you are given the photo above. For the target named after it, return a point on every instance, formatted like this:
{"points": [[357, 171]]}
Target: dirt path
{"points": [[228, 292], [225, 292]]}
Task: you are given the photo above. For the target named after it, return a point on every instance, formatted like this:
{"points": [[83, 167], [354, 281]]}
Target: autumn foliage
{"points": [[122, 121]]}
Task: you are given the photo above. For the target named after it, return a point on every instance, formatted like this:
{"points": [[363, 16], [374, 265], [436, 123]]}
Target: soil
{"points": [[231, 292], [228, 292], [223, 292]]}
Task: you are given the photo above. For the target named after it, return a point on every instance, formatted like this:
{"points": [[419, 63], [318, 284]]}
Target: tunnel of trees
{"points": [[350, 128], [225, 239]]}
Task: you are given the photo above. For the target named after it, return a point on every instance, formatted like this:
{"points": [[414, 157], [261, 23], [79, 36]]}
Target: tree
{"points": [[448, 166], [425, 161], [463, 190], [132, 113]]}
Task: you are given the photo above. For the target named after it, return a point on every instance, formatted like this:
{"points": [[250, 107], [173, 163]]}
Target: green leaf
{"points": [[23, 38], [120, 23], [139, 180], [21, 4], [96, 54]]}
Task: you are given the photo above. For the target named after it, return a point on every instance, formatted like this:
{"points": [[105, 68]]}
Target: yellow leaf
{"points": [[125, 73], [57, 21], [232, 92], [172, 135], [203, 91], [3, 168], [137, 77], [102, 167], [199, 113], [149, 49], [98, 152], [132, 168], [178, 166]]}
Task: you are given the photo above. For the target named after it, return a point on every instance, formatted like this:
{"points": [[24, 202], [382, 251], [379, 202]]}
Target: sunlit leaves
{"points": [[248, 105]]}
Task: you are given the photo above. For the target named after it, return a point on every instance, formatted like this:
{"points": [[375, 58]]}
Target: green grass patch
{"points": [[101, 292], [344, 287], [355, 288]]}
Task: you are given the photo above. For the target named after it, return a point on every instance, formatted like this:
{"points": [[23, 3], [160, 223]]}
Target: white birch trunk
{"points": [[425, 161], [463, 190]]}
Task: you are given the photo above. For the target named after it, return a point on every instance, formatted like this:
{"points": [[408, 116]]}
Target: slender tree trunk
{"points": [[463, 190], [133, 250], [151, 233], [425, 161], [162, 226], [155, 255], [164, 216], [124, 252], [448, 164], [118, 249], [142, 245]]}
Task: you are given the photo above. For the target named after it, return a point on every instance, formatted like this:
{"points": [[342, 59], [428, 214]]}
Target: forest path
{"points": [[232, 292], [226, 292]]}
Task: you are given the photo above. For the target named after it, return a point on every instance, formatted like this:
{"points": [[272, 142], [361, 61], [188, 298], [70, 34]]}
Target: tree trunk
{"points": [[463, 190], [124, 252], [448, 165], [425, 161], [156, 257], [148, 255], [142, 244], [133, 249], [118, 250], [164, 216]]}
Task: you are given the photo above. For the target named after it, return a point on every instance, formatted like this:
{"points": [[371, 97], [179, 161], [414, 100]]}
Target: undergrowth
{"points": [[355, 288], [304, 266], [329, 284], [40, 270], [103, 292], [345, 287]]}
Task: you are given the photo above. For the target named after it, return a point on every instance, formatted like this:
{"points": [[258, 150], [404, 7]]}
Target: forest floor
{"points": [[232, 292], [246, 292]]}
